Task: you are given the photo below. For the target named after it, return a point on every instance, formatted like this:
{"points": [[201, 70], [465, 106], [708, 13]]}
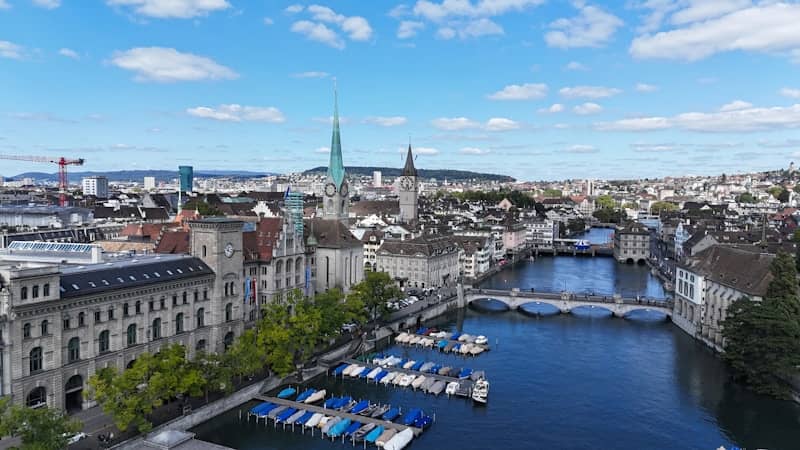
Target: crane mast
{"points": [[62, 162]]}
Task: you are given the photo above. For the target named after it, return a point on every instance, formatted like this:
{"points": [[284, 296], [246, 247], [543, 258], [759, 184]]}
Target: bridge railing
{"points": [[569, 296]]}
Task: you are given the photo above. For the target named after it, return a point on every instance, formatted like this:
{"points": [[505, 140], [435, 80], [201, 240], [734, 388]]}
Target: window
{"points": [[104, 341], [36, 398], [174, 299], [125, 310], [74, 350], [205, 251], [156, 331], [138, 307], [36, 359], [201, 319], [196, 295], [65, 323], [226, 289], [26, 330], [228, 340], [81, 319], [97, 316], [111, 313], [205, 294], [185, 298], [131, 334], [252, 315], [179, 323], [45, 327], [201, 345], [23, 293], [228, 312], [35, 291], [162, 303], [151, 305]]}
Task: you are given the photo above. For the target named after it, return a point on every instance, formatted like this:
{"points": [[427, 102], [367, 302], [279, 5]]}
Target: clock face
{"points": [[344, 190], [330, 189], [407, 183], [229, 250]]}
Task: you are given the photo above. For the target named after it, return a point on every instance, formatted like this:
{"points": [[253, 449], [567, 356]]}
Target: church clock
{"points": [[330, 189], [407, 183]]}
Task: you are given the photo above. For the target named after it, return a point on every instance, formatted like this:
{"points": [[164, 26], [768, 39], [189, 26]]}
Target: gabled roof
{"points": [[259, 244], [174, 242], [744, 269], [331, 233]]}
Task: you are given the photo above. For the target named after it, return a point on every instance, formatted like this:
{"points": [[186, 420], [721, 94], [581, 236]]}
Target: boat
{"points": [[451, 388], [409, 364], [465, 348], [427, 384], [477, 375], [449, 347], [364, 373], [463, 338], [423, 422], [349, 369], [330, 423], [480, 391], [305, 394], [426, 367], [411, 416], [465, 373], [347, 405], [470, 339], [357, 371], [391, 414], [400, 440], [296, 416], [434, 369], [400, 337], [329, 403], [418, 381], [258, 408], [274, 413], [389, 377], [316, 396], [582, 245], [352, 428], [381, 375], [343, 402], [366, 412], [314, 420], [417, 365], [476, 350], [445, 370], [379, 411], [338, 371], [442, 344], [414, 340], [362, 432], [481, 340], [385, 437], [286, 393], [359, 407], [282, 417], [373, 373], [339, 428], [437, 387], [406, 380], [455, 336], [373, 435]]}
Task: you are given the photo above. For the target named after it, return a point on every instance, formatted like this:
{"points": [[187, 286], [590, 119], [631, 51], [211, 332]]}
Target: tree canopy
{"points": [[746, 198], [373, 292], [39, 428], [659, 207], [605, 202]]}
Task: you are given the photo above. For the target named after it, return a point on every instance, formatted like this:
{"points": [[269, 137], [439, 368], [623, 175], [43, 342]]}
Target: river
{"points": [[577, 381]]}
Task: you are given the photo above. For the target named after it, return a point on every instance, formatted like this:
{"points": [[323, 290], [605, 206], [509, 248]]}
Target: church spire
{"points": [[336, 165], [409, 170]]}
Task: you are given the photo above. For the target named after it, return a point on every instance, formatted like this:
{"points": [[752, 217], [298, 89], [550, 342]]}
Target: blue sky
{"points": [[537, 89]]}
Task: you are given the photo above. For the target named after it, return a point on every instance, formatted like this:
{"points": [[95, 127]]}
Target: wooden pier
{"points": [[465, 384]]}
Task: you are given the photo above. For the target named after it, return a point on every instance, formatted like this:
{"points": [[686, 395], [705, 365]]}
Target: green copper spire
{"points": [[336, 166]]}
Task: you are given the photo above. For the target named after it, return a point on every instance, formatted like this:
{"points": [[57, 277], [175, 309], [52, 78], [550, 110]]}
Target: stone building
{"points": [[338, 261], [475, 254], [407, 190], [632, 244], [425, 261]]}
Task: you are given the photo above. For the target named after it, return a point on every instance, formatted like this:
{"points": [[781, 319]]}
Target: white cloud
{"points": [[501, 124], [746, 119], [767, 27], [554, 108], [294, 9], [644, 87], [448, 9], [409, 29], [593, 27], [318, 32], [652, 148], [393, 121], [400, 11], [239, 113], [10, 50], [312, 74], [790, 92], [172, 9], [736, 105], [588, 108], [268, 21], [581, 148], [588, 92], [575, 65], [473, 151], [707, 9], [423, 150], [4, 4], [47, 4], [356, 28], [478, 28], [454, 123], [69, 53], [445, 33], [527, 91], [322, 150], [169, 65]]}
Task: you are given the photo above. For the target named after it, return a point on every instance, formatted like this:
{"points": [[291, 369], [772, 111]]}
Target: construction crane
{"points": [[62, 162]]}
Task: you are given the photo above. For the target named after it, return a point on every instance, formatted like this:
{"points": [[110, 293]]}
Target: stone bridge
{"points": [[566, 302]]}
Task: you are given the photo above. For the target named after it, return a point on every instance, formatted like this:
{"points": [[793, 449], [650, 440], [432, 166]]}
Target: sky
{"points": [[535, 89]]}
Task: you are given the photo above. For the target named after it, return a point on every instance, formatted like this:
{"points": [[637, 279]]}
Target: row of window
{"points": [[23, 291]]}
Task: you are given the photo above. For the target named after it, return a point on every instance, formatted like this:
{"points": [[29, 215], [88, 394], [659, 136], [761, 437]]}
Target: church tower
{"points": [[407, 189], [336, 199]]}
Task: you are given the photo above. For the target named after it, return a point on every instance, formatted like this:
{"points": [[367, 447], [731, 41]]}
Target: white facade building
{"points": [[96, 186]]}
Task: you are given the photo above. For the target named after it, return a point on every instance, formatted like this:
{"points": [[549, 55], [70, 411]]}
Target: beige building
{"points": [[422, 262], [632, 244]]}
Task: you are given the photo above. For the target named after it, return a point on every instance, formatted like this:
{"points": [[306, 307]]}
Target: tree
{"points": [[606, 215], [605, 202], [796, 239], [374, 291], [202, 207], [762, 339], [746, 198], [775, 191], [552, 193], [216, 371], [796, 188], [38, 429], [245, 357], [784, 196], [659, 207], [630, 205]]}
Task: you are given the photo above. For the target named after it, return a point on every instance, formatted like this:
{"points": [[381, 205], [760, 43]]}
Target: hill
{"points": [[439, 174], [138, 175]]}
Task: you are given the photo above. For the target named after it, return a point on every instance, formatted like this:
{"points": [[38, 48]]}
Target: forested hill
{"points": [[439, 174]]}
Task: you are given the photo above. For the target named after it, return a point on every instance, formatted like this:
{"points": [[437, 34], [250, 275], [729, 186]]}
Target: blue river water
{"points": [[581, 381]]}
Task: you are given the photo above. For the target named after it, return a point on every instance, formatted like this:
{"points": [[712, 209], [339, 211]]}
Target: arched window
{"points": [[131, 334], [74, 350], [104, 341], [35, 291], [26, 330], [201, 318], [179, 323], [46, 290], [226, 289], [228, 340], [228, 312], [37, 397], [23, 292], [201, 345], [81, 319], [204, 251], [45, 327], [36, 359], [156, 331], [278, 267]]}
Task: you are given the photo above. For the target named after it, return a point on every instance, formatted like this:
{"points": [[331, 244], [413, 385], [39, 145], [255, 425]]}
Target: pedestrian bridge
{"points": [[566, 302]]}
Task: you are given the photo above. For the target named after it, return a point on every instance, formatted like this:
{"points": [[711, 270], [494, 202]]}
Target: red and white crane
{"points": [[62, 162]]}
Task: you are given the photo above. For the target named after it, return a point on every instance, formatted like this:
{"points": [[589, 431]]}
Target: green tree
{"points": [[552, 193], [659, 207], [762, 339], [39, 428], [245, 357], [605, 202], [374, 291], [746, 198], [202, 207], [775, 191], [606, 215], [796, 188], [215, 370], [784, 196], [630, 205], [275, 337]]}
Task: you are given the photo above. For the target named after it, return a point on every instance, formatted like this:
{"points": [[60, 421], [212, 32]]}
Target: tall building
{"points": [[425, 261], [186, 174], [96, 186], [407, 189], [376, 178], [336, 190], [149, 183]]}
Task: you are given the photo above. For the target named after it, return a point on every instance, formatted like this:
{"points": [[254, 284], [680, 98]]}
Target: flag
{"points": [[286, 194]]}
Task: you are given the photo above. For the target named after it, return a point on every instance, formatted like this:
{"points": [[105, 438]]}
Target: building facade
{"points": [[186, 178], [541, 233], [96, 186], [407, 190], [632, 244], [421, 262]]}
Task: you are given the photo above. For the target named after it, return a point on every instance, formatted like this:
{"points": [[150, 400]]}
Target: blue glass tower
{"points": [[186, 174]]}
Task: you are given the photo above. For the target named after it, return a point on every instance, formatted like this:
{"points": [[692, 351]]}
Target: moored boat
{"points": [[316, 396], [391, 414], [481, 340], [314, 420], [374, 434], [385, 437], [480, 391], [418, 381], [437, 387], [400, 440], [362, 432], [286, 393], [451, 388], [305, 394]]}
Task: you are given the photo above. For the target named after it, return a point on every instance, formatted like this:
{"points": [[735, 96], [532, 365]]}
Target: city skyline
{"points": [[585, 90]]}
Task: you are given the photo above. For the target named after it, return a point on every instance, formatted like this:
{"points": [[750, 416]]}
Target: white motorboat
{"points": [[481, 340], [349, 369], [480, 391], [406, 380], [418, 381], [373, 373], [314, 420], [452, 388], [316, 396], [388, 378], [409, 364]]}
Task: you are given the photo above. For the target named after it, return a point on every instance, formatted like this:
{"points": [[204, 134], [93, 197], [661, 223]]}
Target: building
{"points": [[68, 310], [44, 217], [425, 261], [372, 240], [514, 236], [475, 254], [337, 192], [707, 284], [186, 176], [149, 183], [541, 233], [376, 179], [96, 186], [632, 243], [407, 190]]}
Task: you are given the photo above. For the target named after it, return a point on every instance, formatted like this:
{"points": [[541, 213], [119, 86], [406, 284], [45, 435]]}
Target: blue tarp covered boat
{"points": [[352, 428], [260, 407], [417, 365], [435, 368], [465, 373], [307, 393], [442, 344], [365, 372], [285, 414], [455, 336], [338, 371], [339, 428], [411, 416], [329, 403], [423, 422], [360, 406], [343, 402], [286, 393], [422, 330], [380, 375], [374, 434], [304, 418], [391, 414]]}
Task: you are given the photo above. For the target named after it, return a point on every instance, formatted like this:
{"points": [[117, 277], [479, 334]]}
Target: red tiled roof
{"points": [[174, 242], [258, 244], [150, 230]]}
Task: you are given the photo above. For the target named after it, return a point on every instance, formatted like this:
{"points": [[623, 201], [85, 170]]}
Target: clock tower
{"points": [[407, 189], [336, 195]]}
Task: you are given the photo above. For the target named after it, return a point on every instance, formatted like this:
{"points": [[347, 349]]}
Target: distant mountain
{"points": [[439, 174], [138, 175]]}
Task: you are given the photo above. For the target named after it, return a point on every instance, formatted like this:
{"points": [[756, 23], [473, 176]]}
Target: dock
{"points": [[465, 385], [485, 347], [331, 412]]}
